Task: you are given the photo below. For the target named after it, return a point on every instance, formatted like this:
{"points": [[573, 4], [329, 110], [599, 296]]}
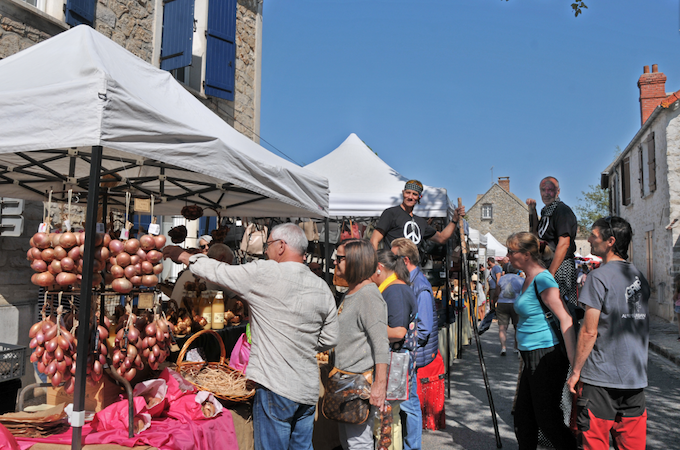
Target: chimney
{"points": [[652, 91], [504, 182]]}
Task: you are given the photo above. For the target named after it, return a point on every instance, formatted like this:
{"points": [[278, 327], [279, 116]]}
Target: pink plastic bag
{"points": [[241, 352]]}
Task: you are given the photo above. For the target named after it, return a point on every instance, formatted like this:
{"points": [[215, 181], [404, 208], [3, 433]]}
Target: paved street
{"points": [[469, 425]]}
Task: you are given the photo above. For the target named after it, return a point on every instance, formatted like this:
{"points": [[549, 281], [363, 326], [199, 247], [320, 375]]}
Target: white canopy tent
{"points": [[363, 185], [495, 248], [80, 89], [78, 107]]}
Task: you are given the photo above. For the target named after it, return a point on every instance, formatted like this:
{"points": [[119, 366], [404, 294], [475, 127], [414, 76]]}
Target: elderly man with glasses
{"points": [[293, 318]]}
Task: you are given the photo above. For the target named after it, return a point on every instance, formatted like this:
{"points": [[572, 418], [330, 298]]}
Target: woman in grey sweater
{"points": [[363, 343]]}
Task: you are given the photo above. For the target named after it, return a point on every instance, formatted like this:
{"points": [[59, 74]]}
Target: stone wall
{"points": [[510, 215], [128, 23], [21, 26]]}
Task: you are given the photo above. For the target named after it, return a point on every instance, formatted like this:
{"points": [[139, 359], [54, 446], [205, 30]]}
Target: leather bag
{"points": [[253, 239], [349, 231], [311, 230], [346, 395]]}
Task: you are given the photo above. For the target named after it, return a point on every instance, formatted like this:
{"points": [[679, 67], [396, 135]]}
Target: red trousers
{"points": [[620, 413], [431, 394]]}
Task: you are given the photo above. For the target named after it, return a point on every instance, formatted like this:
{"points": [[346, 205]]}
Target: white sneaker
{"points": [[502, 352]]}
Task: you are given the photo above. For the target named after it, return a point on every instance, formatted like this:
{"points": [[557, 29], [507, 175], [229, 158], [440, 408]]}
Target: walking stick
{"points": [[466, 274]]}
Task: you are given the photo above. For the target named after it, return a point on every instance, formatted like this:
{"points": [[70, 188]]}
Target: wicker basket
{"points": [[187, 368]]}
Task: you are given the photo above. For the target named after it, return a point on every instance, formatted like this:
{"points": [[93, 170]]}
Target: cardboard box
{"points": [[96, 397]]}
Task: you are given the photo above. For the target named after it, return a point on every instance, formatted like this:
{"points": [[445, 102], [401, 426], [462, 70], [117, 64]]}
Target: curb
{"points": [[666, 353]]}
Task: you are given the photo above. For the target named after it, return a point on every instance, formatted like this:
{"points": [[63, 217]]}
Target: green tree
{"points": [[593, 205]]}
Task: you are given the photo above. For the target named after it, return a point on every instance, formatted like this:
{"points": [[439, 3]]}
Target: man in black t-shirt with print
{"points": [[557, 227], [400, 222]]}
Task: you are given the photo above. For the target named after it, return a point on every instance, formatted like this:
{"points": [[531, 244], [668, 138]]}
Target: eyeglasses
{"points": [[339, 258], [268, 243]]}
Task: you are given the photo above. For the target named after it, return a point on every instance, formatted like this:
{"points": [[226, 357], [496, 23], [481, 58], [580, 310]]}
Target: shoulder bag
{"points": [[310, 229], [253, 239], [552, 320], [346, 394], [397, 376]]}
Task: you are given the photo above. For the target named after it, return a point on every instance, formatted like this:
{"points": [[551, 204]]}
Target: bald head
{"points": [[221, 252], [550, 189]]}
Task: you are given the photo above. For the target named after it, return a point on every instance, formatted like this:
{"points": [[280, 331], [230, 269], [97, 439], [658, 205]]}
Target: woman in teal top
{"points": [[545, 365]]}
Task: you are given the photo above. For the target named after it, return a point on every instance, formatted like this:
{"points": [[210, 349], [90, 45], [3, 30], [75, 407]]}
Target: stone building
{"points": [[219, 47], [499, 212], [644, 189]]}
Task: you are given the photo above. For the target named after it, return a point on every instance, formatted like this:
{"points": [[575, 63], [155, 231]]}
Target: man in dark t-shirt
{"points": [[400, 222], [557, 227]]}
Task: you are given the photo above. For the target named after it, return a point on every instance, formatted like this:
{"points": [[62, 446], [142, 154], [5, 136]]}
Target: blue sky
{"points": [[442, 90]]}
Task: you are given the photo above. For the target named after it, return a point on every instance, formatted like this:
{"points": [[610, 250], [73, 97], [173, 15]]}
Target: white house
{"points": [[644, 189]]}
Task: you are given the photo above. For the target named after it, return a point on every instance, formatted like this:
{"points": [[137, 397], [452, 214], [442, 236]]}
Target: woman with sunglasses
{"points": [[362, 318], [393, 280], [204, 243], [545, 365]]}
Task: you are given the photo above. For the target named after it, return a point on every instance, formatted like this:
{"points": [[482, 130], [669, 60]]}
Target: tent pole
{"points": [[446, 298], [84, 314], [466, 273]]}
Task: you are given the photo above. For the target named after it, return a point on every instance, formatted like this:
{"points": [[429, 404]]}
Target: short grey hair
{"points": [[293, 235]]}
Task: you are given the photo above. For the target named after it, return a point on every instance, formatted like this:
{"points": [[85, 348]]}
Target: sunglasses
{"points": [[339, 258], [512, 252]]}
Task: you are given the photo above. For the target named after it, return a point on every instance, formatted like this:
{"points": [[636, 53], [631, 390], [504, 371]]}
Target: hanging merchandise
{"points": [[310, 229], [154, 228], [125, 232], [192, 212], [349, 230], [254, 239], [178, 234]]}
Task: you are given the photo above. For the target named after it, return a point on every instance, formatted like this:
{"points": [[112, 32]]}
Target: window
{"points": [[199, 44], [625, 182], [487, 211], [80, 12], [651, 160], [641, 171], [649, 241]]}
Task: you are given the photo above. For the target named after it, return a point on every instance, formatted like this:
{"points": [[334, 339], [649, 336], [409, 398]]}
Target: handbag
{"points": [[253, 239], [397, 376], [310, 229], [346, 394], [349, 231], [339, 281], [241, 352]]}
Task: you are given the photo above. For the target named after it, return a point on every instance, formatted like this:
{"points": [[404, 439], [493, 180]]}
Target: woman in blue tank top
{"points": [[545, 364]]}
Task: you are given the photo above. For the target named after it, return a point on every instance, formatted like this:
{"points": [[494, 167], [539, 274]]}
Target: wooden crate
{"points": [[96, 397]]}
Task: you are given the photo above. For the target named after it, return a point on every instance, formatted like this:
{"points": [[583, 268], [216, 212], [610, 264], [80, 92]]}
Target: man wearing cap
{"points": [[400, 222]]}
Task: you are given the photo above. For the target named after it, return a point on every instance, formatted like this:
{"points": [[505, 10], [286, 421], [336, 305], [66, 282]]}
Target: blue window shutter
{"points": [[178, 33], [80, 12], [220, 64]]}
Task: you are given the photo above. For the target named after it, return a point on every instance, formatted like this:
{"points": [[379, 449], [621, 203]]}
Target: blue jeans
{"points": [[280, 423], [413, 424]]}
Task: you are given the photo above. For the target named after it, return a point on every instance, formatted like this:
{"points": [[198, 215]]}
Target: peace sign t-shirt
{"points": [[396, 223]]}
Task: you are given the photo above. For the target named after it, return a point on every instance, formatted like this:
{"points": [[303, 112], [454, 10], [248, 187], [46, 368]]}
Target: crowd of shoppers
{"points": [[389, 307]]}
